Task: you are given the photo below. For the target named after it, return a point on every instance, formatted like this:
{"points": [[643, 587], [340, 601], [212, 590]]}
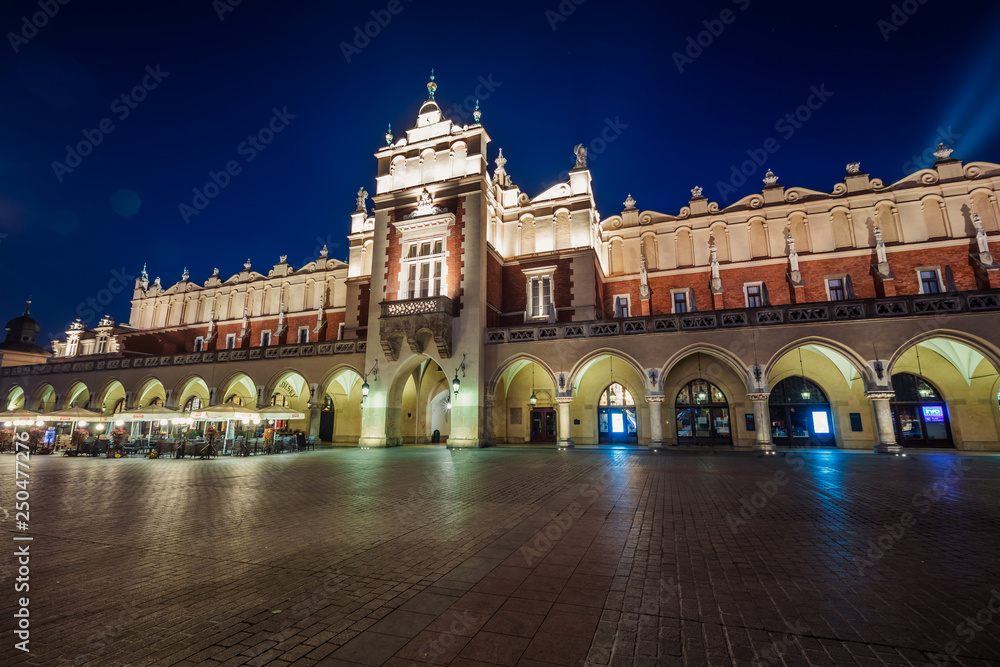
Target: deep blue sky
{"points": [[64, 242]]}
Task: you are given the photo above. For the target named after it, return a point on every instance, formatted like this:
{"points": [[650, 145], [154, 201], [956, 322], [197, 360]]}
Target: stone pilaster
{"points": [[762, 421], [883, 421]]}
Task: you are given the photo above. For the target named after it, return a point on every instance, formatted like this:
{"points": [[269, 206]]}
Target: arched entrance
{"points": [[702, 413], [800, 414], [616, 420], [340, 416], [919, 413]]}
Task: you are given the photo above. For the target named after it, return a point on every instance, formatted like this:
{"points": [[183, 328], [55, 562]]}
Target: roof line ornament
{"points": [[27, 307], [770, 179], [853, 168], [431, 86], [477, 114], [362, 199], [943, 152], [629, 203], [581, 156], [388, 136], [246, 264], [696, 192], [144, 280]]}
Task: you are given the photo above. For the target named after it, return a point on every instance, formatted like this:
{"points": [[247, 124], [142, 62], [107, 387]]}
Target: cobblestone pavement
{"points": [[510, 557]]}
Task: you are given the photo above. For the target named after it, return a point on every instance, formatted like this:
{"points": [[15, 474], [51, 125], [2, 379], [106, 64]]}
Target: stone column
{"points": [[487, 434], [565, 442], [314, 418], [883, 422], [656, 422], [762, 422]]}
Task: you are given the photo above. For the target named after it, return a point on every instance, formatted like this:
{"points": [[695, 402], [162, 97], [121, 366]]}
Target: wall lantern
{"points": [[365, 388], [456, 384]]}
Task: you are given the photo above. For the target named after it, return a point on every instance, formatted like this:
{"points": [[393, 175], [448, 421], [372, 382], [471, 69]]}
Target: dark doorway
{"points": [[326, 426], [800, 414], [702, 413], [543, 425], [919, 414]]}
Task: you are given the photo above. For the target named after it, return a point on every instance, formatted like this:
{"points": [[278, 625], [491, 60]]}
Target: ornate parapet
{"points": [[416, 321]]}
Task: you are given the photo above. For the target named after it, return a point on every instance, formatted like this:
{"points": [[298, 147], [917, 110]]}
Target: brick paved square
{"points": [[688, 558]]}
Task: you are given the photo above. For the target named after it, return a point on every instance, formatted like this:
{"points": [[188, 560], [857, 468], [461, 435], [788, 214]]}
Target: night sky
{"points": [[886, 82]]}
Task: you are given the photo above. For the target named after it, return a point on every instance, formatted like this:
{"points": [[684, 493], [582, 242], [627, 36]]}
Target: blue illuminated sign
{"points": [[933, 413]]}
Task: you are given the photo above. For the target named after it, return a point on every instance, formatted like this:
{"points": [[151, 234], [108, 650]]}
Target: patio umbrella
{"points": [[228, 412], [280, 412], [19, 417], [149, 413]]}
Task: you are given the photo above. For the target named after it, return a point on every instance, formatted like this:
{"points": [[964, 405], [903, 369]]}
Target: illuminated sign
{"points": [[821, 423], [933, 413]]}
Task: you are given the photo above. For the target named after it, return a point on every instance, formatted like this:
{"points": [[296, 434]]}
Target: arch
{"points": [[801, 413], [43, 398], [428, 161], [527, 227], [798, 227], [77, 395], [757, 234], [982, 203], [459, 153], [934, 217], [110, 392], [843, 232], [191, 385], [146, 390], [416, 381], [856, 361], [684, 247], [285, 381], [516, 363], [562, 229], [587, 361], [15, 398], [725, 355], [702, 414], [397, 170], [885, 218], [650, 252], [616, 256], [990, 353], [239, 383], [720, 236]]}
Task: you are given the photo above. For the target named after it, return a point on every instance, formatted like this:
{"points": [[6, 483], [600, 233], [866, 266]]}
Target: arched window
{"points": [[702, 413], [800, 414], [919, 413], [119, 406], [156, 402], [279, 399], [616, 416], [235, 399], [193, 403]]}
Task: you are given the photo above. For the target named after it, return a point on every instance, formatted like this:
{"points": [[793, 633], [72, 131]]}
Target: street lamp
{"points": [[456, 384], [365, 387]]}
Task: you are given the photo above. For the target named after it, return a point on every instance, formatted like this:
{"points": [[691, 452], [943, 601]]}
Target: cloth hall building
{"points": [[474, 314]]}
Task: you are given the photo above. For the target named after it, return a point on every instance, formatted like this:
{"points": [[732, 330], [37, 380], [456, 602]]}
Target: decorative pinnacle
{"points": [[185, 275], [431, 86], [144, 274], [696, 192], [27, 307], [943, 152], [770, 179], [388, 136], [477, 114]]}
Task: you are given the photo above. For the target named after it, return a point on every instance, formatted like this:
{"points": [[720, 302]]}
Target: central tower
{"points": [[427, 299]]}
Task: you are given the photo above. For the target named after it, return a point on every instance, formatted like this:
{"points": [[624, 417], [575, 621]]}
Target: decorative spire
{"points": [[431, 86], [361, 201], [770, 179], [27, 307], [880, 247], [853, 167], [185, 275], [388, 136], [324, 252], [581, 156], [500, 175], [246, 264], [696, 192], [629, 202], [144, 280], [282, 259], [477, 114], [715, 283], [981, 240], [644, 291]]}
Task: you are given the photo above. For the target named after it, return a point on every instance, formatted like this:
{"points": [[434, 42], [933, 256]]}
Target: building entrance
{"points": [[616, 416], [543, 425], [919, 414], [702, 415]]}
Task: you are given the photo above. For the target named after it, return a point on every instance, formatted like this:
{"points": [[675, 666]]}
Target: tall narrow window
{"points": [[199, 343], [541, 296], [680, 302], [621, 306], [836, 288], [230, 341], [265, 338], [424, 270], [754, 297], [303, 334]]}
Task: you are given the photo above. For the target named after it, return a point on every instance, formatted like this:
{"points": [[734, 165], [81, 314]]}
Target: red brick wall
{"points": [[456, 254], [494, 290], [515, 295], [364, 299]]}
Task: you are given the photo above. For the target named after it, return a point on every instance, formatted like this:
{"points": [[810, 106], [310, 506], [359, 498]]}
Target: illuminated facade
{"points": [[858, 318]]}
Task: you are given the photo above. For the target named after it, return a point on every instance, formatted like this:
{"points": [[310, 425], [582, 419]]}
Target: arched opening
{"points": [[192, 403], [43, 399], [616, 417], [190, 389], [800, 414], [524, 409], [702, 415], [78, 396], [340, 417], [919, 413], [151, 392], [15, 398], [424, 414]]}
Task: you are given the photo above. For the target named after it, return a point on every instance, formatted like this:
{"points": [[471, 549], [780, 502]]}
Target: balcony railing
{"points": [[421, 306], [923, 305]]}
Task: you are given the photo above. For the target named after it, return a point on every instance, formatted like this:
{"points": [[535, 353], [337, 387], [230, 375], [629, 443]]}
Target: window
{"points": [[424, 269], [683, 300], [930, 281], [540, 292], [199, 343], [303, 334], [265, 338], [235, 399], [230, 341], [340, 331], [193, 403], [756, 294], [102, 345], [835, 289], [71, 347], [621, 305]]}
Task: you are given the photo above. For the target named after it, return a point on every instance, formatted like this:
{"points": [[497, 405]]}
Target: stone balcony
{"points": [[416, 321], [922, 305]]}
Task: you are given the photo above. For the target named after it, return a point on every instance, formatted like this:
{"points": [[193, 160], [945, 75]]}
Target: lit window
{"points": [[71, 347], [102, 345], [303, 334], [541, 296], [424, 269], [929, 283], [836, 288], [199, 343]]}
